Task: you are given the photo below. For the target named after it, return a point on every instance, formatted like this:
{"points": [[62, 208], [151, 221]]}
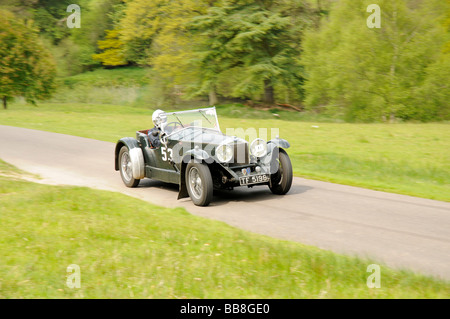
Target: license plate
{"points": [[254, 179]]}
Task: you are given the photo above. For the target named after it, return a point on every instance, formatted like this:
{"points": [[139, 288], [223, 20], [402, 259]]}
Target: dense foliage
{"points": [[26, 68], [399, 70], [314, 53]]}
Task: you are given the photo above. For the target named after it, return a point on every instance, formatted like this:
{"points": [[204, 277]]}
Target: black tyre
{"points": [[199, 183], [126, 171], [282, 179]]}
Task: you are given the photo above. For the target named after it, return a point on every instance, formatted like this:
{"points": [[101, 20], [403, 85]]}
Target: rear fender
{"points": [[136, 156]]}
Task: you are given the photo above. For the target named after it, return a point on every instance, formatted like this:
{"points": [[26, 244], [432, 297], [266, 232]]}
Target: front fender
{"points": [[282, 143], [136, 156], [270, 161]]}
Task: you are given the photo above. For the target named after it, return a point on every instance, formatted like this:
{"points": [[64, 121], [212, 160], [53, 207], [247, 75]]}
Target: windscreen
{"points": [[201, 118]]}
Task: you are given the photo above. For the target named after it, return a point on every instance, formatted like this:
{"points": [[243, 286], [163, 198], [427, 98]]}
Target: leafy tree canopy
{"points": [[26, 67], [375, 74], [262, 38]]}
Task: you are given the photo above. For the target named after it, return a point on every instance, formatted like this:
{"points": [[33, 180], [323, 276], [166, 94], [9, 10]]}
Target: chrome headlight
{"points": [[258, 147], [224, 153]]}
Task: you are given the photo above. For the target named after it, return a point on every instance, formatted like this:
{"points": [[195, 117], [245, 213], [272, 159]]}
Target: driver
{"points": [[159, 119]]}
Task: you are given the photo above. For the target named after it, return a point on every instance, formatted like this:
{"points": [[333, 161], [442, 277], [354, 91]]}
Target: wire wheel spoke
{"points": [[195, 182], [127, 171]]}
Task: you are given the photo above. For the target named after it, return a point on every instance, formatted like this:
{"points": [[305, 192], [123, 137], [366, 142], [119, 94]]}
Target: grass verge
{"points": [[127, 248]]}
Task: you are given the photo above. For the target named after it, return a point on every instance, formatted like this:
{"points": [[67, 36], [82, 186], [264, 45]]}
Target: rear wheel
{"points": [[199, 183], [282, 179], [126, 171]]}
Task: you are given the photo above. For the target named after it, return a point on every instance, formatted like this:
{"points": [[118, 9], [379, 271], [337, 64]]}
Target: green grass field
{"points": [[127, 248], [411, 159]]}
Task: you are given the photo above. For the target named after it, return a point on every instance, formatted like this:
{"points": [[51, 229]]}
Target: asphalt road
{"points": [[400, 231]]}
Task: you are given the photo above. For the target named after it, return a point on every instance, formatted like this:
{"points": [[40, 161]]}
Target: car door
{"points": [[161, 164]]}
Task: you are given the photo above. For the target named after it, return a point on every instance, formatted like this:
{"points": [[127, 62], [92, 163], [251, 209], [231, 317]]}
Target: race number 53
{"points": [[167, 154]]}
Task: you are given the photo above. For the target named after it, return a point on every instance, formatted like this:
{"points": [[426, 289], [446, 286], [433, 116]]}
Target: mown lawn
{"points": [[127, 248], [411, 159]]}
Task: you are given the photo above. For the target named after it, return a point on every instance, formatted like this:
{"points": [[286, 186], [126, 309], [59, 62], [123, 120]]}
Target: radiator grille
{"points": [[241, 153]]}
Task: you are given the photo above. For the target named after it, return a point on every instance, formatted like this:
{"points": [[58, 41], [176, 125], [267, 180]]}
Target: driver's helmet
{"points": [[159, 118]]}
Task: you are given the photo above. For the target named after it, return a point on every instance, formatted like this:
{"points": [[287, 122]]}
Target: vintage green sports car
{"points": [[187, 148]]}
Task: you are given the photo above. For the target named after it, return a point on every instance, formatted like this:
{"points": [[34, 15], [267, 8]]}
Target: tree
{"points": [[139, 25], [172, 48], [155, 33], [262, 38], [198, 44], [373, 74], [433, 97], [112, 47], [26, 67], [97, 17]]}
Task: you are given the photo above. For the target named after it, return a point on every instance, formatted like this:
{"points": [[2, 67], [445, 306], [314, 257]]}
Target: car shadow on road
{"points": [[255, 194], [239, 194], [149, 183]]}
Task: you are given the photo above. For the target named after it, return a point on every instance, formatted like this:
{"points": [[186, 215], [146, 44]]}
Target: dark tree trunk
{"points": [[4, 102], [268, 92], [213, 96]]}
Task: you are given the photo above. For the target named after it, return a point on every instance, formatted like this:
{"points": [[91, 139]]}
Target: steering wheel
{"points": [[175, 125]]}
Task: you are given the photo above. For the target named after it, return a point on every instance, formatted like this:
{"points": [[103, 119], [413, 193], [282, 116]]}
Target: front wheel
{"points": [[126, 171], [199, 183], [282, 180]]}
